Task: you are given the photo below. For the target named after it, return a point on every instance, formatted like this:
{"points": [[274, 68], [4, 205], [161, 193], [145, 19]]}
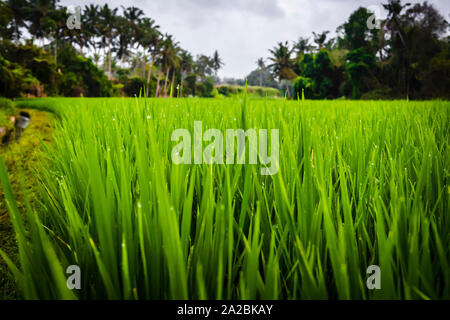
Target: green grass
{"points": [[23, 159], [6, 110], [359, 183]]}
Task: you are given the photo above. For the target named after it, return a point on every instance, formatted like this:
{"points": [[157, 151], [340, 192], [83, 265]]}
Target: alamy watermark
{"points": [[374, 21], [374, 280], [74, 19], [214, 152], [74, 278]]}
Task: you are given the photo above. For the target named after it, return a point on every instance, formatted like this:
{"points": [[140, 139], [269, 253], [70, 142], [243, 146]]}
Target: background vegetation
{"points": [[120, 51], [407, 57], [114, 52]]}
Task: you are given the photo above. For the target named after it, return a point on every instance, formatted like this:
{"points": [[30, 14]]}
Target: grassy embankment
{"points": [[21, 158]]}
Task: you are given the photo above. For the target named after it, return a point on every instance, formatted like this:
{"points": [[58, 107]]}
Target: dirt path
{"points": [[26, 153]]}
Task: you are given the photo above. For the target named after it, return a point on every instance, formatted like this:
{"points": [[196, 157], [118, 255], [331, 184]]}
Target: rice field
{"points": [[359, 183]]}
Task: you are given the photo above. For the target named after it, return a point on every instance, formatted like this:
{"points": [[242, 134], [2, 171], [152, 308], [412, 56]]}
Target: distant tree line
{"points": [[120, 51], [407, 56], [128, 46]]}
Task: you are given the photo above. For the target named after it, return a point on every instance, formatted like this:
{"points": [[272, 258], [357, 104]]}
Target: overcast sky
{"points": [[244, 30]]}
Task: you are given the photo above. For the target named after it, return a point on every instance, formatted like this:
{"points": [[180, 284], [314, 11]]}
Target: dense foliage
{"points": [[27, 70], [73, 61], [408, 56]]}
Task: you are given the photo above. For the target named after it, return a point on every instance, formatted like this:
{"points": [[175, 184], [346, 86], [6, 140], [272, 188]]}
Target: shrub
{"points": [[26, 69], [230, 90], [89, 76], [303, 84], [189, 84], [378, 94], [6, 105], [71, 85], [6, 109], [208, 88], [16, 81], [134, 87]]}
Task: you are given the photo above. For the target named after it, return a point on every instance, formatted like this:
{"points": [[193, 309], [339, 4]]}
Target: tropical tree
{"points": [[129, 32], [186, 66], [91, 27], [320, 39], [168, 57], [125, 39], [204, 66], [302, 46], [359, 66], [108, 32], [40, 15], [6, 16], [281, 65], [149, 38], [19, 11], [133, 15], [356, 33], [261, 67], [216, 62], [414, 39], [61, 33]]}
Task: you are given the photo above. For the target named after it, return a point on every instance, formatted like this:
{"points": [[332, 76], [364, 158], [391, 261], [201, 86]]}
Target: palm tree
{"points": [[261, 68], [122, 46], [186, 65], [149, 37], [39, 13], [281, 61], [133, 16], [125, 41], [108, 31], [169, 57], [96, 58], [398, 48], [393, 23], [81, 37], [175, 68], [217, 62], [91, 26], [204, 66], [61, 32], [19, 9], [320, 38], [302, 46], [129, 32]]}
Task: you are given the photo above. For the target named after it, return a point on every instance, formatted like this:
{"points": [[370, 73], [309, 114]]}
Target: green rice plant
{"points": [[359, 184]]}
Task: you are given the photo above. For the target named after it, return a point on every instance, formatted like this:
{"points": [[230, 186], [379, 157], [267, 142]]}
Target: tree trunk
{"points": [[171, 86], [109, 62], [149, 76], [143, 66], [16, 27], [56, 52], [157, 84], [95, 54], [165, 80], [260, 78], [181, 84]]}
